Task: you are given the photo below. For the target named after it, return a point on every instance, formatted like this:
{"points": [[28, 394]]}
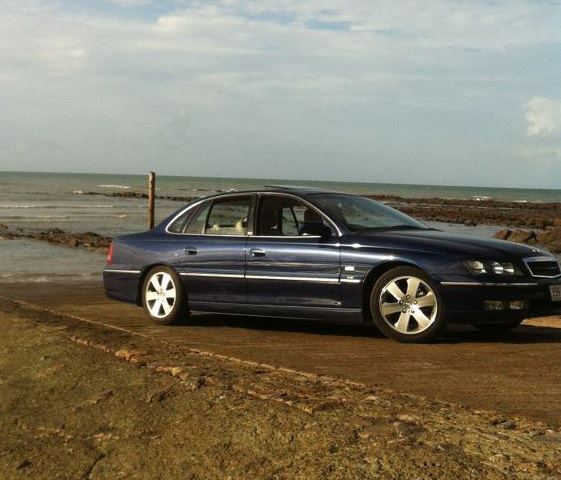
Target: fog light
{"points": [[493, 305], [516, 305]]}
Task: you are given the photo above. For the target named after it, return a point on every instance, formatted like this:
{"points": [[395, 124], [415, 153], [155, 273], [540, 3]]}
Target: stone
{"points": [[522, 236], [503, 234]]}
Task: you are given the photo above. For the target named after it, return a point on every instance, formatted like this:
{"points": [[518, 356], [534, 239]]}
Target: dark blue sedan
{"points": [[299, 252]]}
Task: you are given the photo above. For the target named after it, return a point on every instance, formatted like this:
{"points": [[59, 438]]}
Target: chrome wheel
{"points": [[408, 305], [160, 294]]}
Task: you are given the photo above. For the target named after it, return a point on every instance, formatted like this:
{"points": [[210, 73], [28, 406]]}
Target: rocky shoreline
{"points": [[88, 240], [536, 215], [537, 223]]}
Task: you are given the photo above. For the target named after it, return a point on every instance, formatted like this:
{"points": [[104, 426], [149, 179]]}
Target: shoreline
{"points": [[470, 212], [533, 223]]}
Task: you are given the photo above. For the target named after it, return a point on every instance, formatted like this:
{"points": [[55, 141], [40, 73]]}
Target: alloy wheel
{"points": [[160, 294], [408, 305]]}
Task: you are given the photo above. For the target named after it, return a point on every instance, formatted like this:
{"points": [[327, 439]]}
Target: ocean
{"points": [[39, 201]]}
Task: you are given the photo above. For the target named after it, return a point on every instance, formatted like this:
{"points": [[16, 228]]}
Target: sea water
{"points": [[40, 201]]}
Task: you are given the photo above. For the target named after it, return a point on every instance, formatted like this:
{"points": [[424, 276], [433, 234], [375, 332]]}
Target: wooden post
{"points": [[151, 198]]}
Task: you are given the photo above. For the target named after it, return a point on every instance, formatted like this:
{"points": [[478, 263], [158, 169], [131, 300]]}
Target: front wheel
{"points": [[406, 306], [162, 296]]}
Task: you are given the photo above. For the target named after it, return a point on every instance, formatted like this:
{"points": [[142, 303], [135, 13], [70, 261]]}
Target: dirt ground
{"points": [[83, 401], [517, 374]]}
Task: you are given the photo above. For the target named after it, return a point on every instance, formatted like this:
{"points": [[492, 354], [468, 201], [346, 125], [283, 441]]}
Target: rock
{"points": [[522, 236], [128, 355], [100, 397], [173, 371], [557, 222], [503, 234], [548, 236], [407, 430], [470, 223], [549, 437], [23, 464]]}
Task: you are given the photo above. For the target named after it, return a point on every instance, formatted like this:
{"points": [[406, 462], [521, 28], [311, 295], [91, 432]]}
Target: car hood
{"points": [[437, 241]]}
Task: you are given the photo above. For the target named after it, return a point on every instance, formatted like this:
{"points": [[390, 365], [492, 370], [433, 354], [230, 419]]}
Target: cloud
{"points": [[543, 116], [236, 86]]}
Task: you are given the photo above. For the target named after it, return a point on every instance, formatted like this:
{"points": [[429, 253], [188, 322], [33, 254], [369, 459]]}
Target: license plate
{"points": [[555, 291]]}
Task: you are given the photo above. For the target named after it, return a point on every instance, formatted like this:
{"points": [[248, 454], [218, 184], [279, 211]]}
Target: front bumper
{"points": [[464, 298]]}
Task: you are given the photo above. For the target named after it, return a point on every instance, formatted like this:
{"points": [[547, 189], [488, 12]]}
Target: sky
{"points": [[419, 92]]}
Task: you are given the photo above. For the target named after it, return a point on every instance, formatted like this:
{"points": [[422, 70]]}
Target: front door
{"points": [[286, 265]]}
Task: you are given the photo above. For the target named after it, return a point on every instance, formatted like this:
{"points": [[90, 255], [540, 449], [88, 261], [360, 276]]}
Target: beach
{"points": [[86, 400], [93, 390]]}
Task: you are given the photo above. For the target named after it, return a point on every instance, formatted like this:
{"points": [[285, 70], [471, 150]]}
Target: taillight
{"points": [[109, 258]]}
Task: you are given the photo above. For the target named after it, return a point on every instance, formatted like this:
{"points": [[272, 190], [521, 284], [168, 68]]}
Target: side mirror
{"points": [[315, 228]]}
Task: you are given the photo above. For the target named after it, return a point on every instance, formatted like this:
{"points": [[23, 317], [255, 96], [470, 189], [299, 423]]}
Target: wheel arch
{"points": [[370, 280]]}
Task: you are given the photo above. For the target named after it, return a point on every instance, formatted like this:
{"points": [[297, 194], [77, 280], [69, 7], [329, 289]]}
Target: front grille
{"points": [[549, 268]]}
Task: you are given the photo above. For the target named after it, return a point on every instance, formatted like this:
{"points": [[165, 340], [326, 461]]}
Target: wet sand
{"points": [[516, 374]]}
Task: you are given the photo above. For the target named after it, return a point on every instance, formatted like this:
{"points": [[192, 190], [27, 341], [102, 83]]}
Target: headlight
{"points": [[481, 267]]}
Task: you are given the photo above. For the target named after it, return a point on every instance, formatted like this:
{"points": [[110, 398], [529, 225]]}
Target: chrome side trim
{"points": [[270, 277], [115, 270], [293, 279], [218, 275], [487, 284]]}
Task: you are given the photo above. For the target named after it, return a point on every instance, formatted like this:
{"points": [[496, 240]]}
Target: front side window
{"points": [[229, 216], [286, 216], [361, 214]]}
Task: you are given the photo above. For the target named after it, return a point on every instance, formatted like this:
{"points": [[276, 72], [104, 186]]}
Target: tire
{"points": [[499, 327], [413, 313], [163, 298]]}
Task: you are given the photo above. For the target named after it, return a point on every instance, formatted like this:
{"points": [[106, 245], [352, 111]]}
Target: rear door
{"points": [[211, 254], [286, 266]]}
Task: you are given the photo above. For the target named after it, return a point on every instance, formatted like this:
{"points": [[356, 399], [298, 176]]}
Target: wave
{"points": [[45, 206], [115, 186], [46, 278]]}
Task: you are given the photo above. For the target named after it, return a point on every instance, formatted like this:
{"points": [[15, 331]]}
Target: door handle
{"points": [[257, 252], [191, 251]]}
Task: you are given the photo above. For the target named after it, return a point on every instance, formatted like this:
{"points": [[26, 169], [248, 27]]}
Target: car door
{"points": [[285, 264], [211, 257]]}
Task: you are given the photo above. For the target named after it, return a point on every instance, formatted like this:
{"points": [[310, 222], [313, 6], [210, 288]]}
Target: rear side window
{"points": [[197, 222], [229, 216], [179, 224]]}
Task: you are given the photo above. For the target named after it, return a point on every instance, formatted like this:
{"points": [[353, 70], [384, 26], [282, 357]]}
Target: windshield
{"points": [[360, 214]]}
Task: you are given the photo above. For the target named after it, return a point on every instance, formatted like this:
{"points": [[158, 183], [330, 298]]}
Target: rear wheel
{"points": [[499, 327], [162, 296], [406, 306]]}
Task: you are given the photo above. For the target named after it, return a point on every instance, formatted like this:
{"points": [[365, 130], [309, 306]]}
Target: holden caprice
{"points": [[306, 253]]}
